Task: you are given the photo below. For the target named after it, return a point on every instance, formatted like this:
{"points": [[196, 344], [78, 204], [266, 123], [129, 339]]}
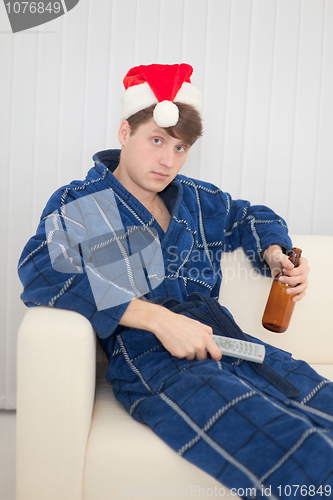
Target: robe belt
{"points": [[207, 310]]}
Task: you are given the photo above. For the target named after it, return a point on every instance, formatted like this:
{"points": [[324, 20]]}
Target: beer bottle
{"points": [[280, 306]]}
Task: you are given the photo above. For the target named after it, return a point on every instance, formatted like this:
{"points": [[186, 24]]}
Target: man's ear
{"points": [[124, 132]]}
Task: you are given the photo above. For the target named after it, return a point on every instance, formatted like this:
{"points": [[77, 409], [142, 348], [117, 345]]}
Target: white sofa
{"points": [[76, 442]]}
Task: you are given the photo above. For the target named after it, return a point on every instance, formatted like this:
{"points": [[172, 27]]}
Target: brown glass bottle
{"points": [[279, 307]]}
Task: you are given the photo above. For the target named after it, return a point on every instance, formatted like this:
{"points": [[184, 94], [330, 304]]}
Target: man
{"points": [[136, 248]]}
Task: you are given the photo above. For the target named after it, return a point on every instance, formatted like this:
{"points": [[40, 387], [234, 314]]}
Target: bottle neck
{"points": [[295, 255]]}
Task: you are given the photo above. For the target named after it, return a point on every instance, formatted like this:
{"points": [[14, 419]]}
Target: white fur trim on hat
{"points": [[136, 98], [141, 96], [189, 94]]}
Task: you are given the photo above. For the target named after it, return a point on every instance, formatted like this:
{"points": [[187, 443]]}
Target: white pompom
{"points": [[166, 114]]}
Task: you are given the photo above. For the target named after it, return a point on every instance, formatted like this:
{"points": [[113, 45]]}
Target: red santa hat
{"points": [[163, 85]]}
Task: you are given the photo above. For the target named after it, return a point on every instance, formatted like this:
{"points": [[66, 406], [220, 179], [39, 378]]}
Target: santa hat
{"points": [[163, 85]]}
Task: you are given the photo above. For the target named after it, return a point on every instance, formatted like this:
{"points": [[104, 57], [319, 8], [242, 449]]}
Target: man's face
{"points": [[150, 158]]}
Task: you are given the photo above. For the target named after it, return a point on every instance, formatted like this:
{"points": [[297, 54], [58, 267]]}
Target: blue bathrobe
{"points": [[97, 247]]}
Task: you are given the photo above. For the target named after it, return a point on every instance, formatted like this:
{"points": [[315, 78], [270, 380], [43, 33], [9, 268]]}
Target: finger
{"points": [[201, 355], [190, 357], [296, 290], [278, 264], [299, 296], [302, 268], [287, 264], [208, 329], [303, 261], [214, 351], [293, 280], [275, 271], [295, 271]]}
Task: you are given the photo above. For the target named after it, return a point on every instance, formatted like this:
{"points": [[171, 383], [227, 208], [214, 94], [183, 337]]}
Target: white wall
{"points": [[266, 71]]}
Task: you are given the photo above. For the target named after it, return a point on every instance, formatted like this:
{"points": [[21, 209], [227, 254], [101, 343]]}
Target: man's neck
{"points": [[148, 198]]}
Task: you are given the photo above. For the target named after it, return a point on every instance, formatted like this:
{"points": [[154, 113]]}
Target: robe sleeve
{"points": [[237, 223], [58, 268], [255, 228]]}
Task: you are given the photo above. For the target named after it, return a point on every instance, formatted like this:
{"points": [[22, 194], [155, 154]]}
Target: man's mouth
{"points": [[160, 175]]}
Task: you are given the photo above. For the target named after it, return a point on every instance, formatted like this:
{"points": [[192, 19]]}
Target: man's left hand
{"points": [[279, 262]]}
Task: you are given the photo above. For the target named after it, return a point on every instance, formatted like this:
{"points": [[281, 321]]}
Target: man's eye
{"points": [[180, 148], [156, 140]]}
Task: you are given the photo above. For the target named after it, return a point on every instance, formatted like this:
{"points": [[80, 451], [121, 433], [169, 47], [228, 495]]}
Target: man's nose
{"points": [[168, 157]]}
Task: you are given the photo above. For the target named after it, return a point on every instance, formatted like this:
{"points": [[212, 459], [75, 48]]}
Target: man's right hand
{"points": [[183, 337]]}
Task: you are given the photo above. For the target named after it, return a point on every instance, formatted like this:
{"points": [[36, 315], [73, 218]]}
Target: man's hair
{"points": [[188, 128]]}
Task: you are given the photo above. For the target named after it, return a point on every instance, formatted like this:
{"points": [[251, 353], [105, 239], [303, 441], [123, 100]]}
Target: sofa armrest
{"points": [[55, 397]]}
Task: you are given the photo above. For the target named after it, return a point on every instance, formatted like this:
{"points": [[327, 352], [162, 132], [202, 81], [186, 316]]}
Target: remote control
{"points": [[240, 349]]}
